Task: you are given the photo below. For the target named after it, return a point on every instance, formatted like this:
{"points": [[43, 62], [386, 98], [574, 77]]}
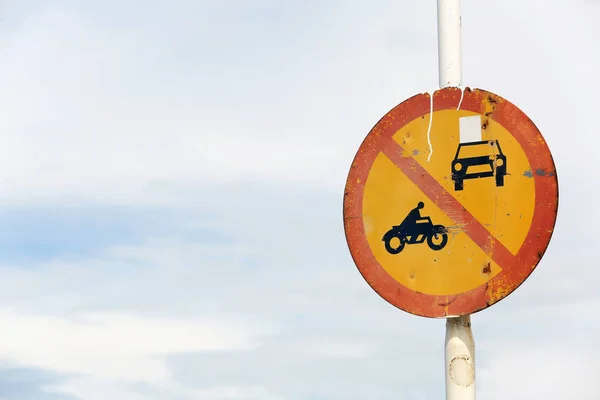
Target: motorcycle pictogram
{"points": [[415, 230]]}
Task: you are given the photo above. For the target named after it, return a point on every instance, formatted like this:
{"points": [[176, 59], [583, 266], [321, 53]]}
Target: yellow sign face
{"points": [[448, 209]]}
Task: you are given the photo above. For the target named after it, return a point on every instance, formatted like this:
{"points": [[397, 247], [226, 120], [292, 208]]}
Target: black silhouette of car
{"points": [[478, 160]]}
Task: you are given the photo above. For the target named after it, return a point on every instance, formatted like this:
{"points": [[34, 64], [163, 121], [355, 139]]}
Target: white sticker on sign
{"points": [[470, 129]]}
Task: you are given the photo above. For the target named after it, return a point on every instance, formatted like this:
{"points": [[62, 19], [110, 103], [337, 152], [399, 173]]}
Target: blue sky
{"points": [[171, 180]]}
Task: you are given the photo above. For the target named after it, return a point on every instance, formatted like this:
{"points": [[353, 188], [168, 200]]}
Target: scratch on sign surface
{"points": [[429, 128], [462, 94]]}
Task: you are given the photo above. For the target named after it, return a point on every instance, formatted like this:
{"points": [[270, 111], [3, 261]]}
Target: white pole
{"points": [[460, 346], [449, 46], [460, 359]]}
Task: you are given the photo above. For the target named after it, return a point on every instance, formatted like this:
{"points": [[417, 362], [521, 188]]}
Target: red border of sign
{"points": [[517, 268]]}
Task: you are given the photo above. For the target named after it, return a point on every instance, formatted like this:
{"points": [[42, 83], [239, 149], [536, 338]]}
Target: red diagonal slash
{"points": [[447, 203]]}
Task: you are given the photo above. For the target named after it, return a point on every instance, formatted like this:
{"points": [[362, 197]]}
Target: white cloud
{"points": [[72, 132], [80, 124], [523, 371], [171, 106], [226, 393], [92, 389], [114, 346], [95, 389], [336, 349]]}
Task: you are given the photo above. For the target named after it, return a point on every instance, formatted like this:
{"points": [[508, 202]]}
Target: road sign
{"points": [[450, 202]]}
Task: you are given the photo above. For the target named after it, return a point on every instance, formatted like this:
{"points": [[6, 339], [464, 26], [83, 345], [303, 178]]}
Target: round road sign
{"points": [[450, 202]]}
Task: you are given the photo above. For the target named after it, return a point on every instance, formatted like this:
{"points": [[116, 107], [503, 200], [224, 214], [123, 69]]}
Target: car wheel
{"points": [[499, 179]]}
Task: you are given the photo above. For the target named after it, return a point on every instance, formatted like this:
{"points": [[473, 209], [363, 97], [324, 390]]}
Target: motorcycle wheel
{"points": [[387, 239], [437, 246]]}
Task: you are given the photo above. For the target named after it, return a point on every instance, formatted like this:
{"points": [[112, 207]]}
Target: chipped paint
{"points": [[487, 268], [498, 290], [462, 95], [462, 371], [429, 128], [539, 172]]}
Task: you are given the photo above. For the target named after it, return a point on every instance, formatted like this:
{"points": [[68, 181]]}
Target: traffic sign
{"points": [[450, 202]]}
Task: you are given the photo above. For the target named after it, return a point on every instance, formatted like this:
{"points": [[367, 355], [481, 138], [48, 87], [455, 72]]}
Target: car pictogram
{"points": [[480, 159]]}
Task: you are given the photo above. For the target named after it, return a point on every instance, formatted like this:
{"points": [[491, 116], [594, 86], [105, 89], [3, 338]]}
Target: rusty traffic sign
{"points": [[450, 202]]}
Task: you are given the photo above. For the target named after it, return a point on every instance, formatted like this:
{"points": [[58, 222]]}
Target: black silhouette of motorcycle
{"points": [[436, 235]]}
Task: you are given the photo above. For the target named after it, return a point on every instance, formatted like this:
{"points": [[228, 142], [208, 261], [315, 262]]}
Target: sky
{"points": [[171, 186]]}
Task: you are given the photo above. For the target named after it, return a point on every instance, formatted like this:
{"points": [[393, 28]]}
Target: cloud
{"points": [[28, 384], [175, 174], [133, 290], [114, 345], [522, 371], [126, 142], [106, 354], [42, 233]]}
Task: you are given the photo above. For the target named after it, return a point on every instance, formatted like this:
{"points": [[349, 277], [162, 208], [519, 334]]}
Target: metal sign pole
{"points": [[449, 46], [460, 346], [460, 359]]}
